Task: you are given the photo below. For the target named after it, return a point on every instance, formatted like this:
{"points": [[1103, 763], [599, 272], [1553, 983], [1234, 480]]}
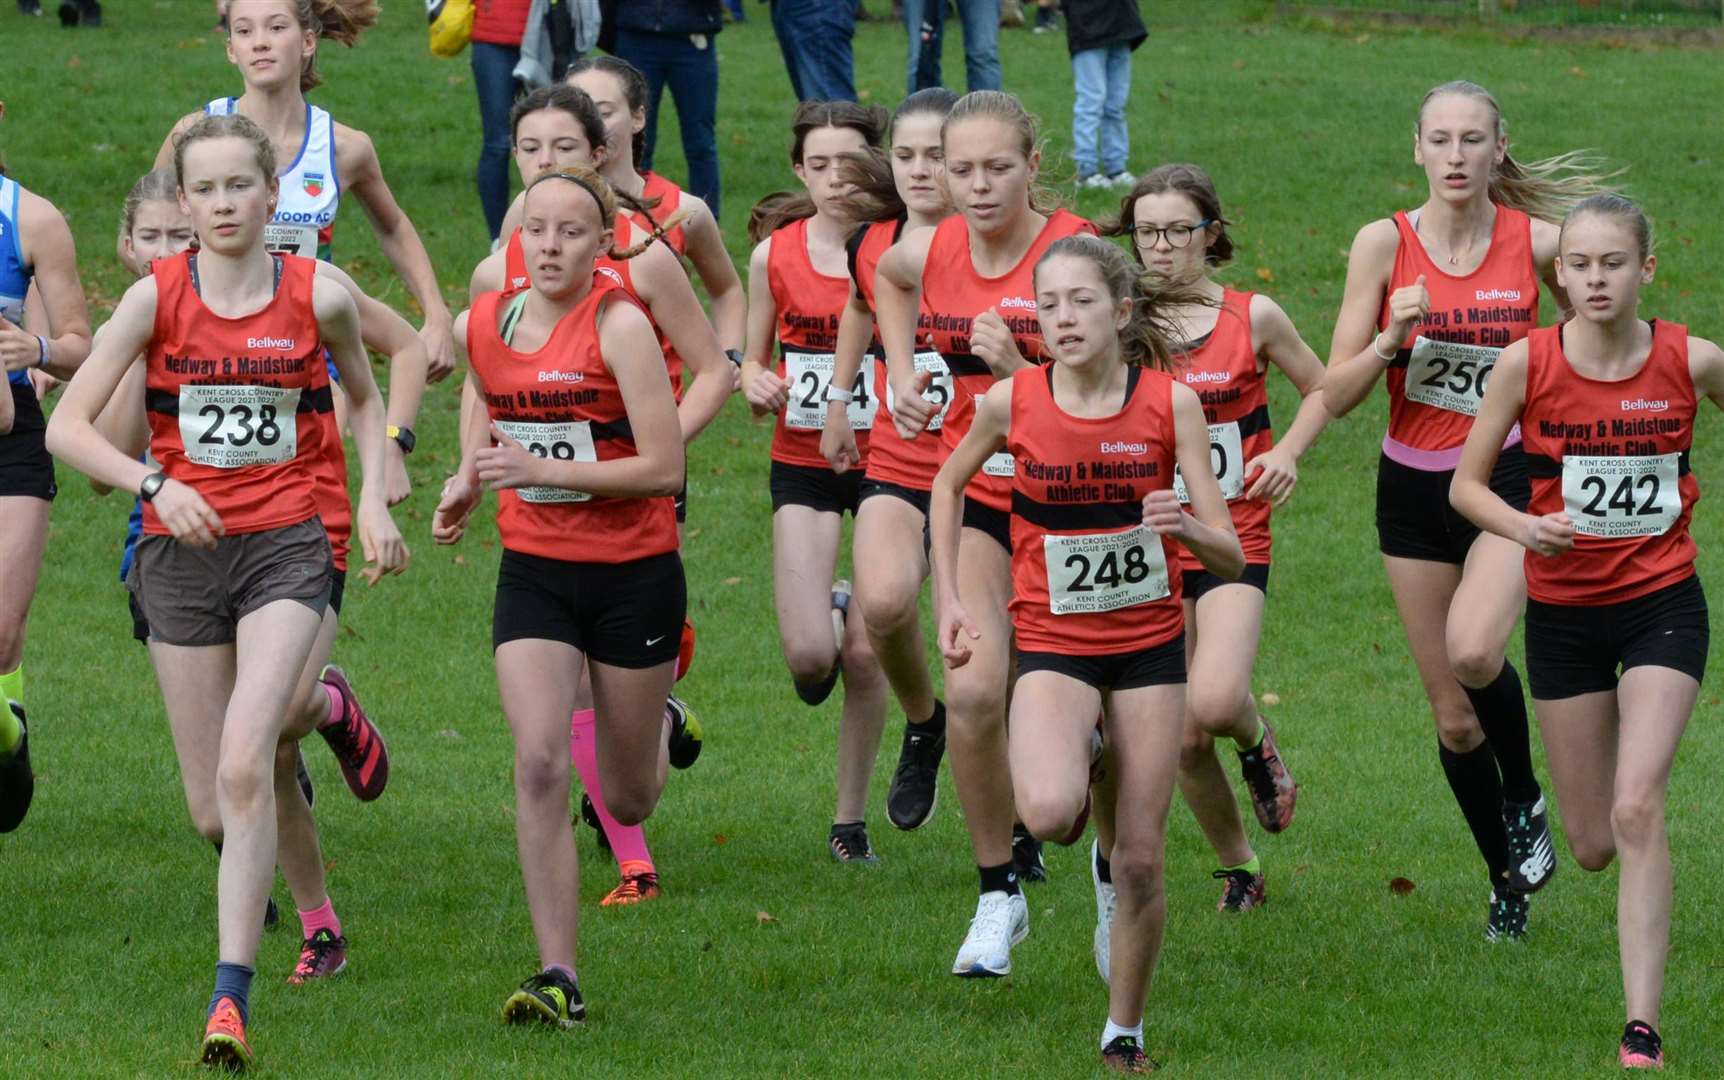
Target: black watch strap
{"points": [[403, 438], [151, 486], [735, 356]]}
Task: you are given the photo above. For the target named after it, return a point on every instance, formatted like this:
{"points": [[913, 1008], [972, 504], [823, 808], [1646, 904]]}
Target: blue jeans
{"points": [[1103, 81], [981, 23], [494, 78], [692, 75], [815, 38]]}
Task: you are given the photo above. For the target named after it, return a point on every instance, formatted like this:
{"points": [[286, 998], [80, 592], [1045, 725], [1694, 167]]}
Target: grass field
{"points": [[764, 958]]}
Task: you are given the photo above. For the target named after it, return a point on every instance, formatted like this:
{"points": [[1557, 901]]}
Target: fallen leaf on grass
{"points": [[460, 560], [1400, 886], [720, 839], [449, 733], [1265, 274], [763, 918], [733, 581], [1271, 699]]}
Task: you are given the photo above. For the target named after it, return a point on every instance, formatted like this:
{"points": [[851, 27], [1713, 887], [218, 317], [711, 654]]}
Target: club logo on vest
{"points": [[313, 183]]}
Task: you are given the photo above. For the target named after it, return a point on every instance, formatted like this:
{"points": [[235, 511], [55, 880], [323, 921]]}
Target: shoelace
{"points": [[993, 920], [311, 953], [634, 887], [1641, 1039], [852, 844], [1126, 1048], [1238, 885]]}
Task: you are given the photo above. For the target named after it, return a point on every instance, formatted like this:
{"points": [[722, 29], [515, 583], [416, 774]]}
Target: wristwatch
{"points": [[402, 436], [151, 486], [735, 356]]}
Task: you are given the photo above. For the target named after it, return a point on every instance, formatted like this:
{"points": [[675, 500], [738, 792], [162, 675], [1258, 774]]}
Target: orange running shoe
{"points": [[224, 1038], [639, 884]]}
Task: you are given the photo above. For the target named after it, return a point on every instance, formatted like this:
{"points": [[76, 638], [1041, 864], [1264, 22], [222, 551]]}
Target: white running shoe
{"points": [[1104, 903], [1122, 179], [1001, 921]]}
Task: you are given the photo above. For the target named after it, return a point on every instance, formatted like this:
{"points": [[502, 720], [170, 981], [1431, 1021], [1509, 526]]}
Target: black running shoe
{"points": [[590, 815], [1124, 1055], [91, 11], [1532, 860], [849, 844], [68, 13], [1027, 855], [17, 782], [685, 733], [1641, 1047], [1508, 916], [817, 693], [549, 998], [915, 785], [1241, 891]]}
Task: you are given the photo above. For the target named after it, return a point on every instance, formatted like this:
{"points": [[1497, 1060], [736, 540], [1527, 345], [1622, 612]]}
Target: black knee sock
{"points": [[1478, 788], [1502, 714], [1001, 878]]}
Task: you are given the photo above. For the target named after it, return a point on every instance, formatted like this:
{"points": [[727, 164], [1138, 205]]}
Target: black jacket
{"points": [[1101, 24], [677, 17]]}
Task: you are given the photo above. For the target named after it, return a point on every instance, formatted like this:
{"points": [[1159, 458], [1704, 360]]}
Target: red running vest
{"points": [[809, 304], [1614, 457]]}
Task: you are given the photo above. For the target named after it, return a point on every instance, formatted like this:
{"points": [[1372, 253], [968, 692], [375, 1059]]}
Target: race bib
{"points": [[809, 374], [1104, 571], [939, 388], [1226, 457], [568, 441], [1445, 375], [291, 239], [1622, 496], [231, 427], [998, 464]]}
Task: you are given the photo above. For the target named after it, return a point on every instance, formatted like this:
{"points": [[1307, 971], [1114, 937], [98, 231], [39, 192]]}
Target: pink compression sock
{"points": [[322, 918], [628, 842], [337, 707]]}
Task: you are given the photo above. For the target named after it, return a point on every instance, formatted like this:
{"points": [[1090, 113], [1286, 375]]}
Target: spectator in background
{"points": [[671, 43], [497, 29], [815, 37], [925, 21], [1101, 35]]}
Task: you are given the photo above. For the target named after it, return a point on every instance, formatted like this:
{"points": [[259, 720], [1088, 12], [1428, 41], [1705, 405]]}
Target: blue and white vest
{"points": [[14, 275], [310, 191]]}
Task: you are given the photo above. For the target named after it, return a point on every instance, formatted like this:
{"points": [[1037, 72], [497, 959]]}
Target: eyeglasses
{"points": [[1177, 236]]}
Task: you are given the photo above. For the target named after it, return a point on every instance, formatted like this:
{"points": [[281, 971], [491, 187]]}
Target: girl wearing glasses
{"points": [[1433, 295], [1179, 236]]}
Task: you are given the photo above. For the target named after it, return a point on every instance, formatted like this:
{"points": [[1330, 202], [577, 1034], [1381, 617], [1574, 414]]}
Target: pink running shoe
{"points": [[1641, 1047], [356, 742]]}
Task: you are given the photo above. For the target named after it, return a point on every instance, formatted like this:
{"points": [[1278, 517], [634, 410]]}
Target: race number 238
{"points": [[570, 441], [1622, 496], [1104, 571], [231, 427]]}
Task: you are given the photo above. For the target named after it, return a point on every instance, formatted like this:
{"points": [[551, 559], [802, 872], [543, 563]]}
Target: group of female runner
{"points": [[1072, 442]]}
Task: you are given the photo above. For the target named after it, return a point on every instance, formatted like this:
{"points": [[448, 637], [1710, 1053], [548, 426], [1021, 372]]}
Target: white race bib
{"points": [[998, 464], [568, 441], [939, 388], [1622, 496], [1104, 571], [1446, 375], [231, 427], [809, 374], [1226, 457], [291, 239]]}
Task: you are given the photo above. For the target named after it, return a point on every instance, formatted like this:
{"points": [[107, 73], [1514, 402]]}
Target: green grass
{"points": [[107, 897]]}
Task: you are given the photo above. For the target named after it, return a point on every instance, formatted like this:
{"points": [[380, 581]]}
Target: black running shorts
{"points": [[1573, 650], [25, 467], [1415, 520], [815, 487], [627, 615], [1198, 582], [1158, 665]]}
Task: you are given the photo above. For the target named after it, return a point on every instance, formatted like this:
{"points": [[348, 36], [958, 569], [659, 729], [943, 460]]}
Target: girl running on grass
{"points": [[1097, 531], [620, 92], [154, 226], [798, 287], [1433, 295], [35, 248], [582, 445], [1179, 236], [553, 128], [891, 562], [274, 44], [969, 280], [1606, 404], [234, 341]]}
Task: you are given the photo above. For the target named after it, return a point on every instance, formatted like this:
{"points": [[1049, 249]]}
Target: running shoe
{"points": [[590, 815], [1241, 890], [915, 789], [323, 955], [1124, 1055], [1641, 1047], [1001, 921], [271, 914], [1532, 860], [91, 10], [29, 7], [1124, 178], [639, 884], [357, 743], [1027, 855], [1047, 22], [1105, 899], [1508, 916], [68, 13], [685, 733], [1273, 791], [224, 1038], [17, 782], [849, 844], [1095, 182], [549, 997]]}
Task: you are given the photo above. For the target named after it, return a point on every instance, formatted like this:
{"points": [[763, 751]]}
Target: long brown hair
{"points": [[340, 21], [783, 207], [1151, 337], [874, 192], [1544, 189]]}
